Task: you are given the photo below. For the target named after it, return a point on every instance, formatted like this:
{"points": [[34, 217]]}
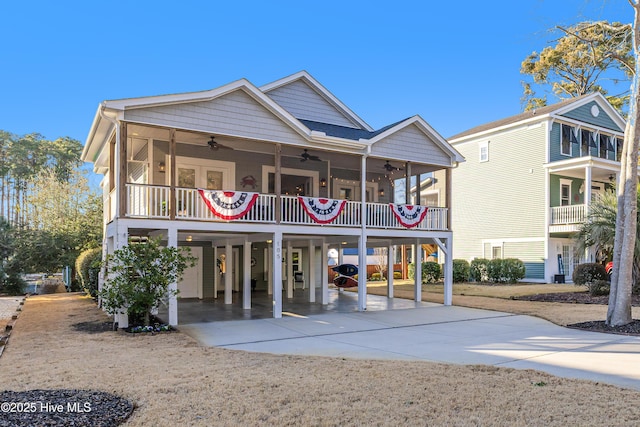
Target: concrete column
{"points": [[390, 259], [417, 294], [312, 272], [277, 274], [172, 242], [324, 273], [216, 271], [289, 272], [587, 186], [228, 273], [246, 276], [340, 262]]}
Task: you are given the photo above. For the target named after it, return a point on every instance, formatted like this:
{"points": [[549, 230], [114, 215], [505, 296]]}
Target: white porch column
{"points": [[417, 291], [119, 241], [228, 273], [270, 272], [448, 272], [172, 242], [216, 271], [312, 272], [277, 274], [324, 273], [340, 262], [289, 272], [246, 276], [390, 259], [362, 240], [587, 186]]}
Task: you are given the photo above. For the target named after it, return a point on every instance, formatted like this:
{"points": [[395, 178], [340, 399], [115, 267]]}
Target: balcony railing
{"points": [[574, 214], [149, 201]]}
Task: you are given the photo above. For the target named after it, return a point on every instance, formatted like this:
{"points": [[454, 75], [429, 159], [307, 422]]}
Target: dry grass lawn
{"points": [[174, 381]]}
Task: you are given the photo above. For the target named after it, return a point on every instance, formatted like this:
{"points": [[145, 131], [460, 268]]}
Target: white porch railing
{"points": [[574, 214], [150, 201]]}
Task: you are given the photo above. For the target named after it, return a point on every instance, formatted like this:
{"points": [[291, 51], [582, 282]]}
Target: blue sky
{"points": [[455, 63]]}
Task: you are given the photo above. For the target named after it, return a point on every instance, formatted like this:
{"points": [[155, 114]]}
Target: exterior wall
{"points": [[410, 144], [233, 114], [303, 102], [583, 114], [577, 198], [502, 199], [555, 144]]}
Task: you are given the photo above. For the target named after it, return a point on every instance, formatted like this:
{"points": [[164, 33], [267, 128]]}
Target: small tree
{"points": [[139, 276]]}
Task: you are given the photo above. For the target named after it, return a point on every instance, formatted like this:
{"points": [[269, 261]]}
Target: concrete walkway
{"points": [[437, 334]]}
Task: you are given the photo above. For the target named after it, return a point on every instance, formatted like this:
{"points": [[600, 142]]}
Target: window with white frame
{"points": [[484, 151], [586, 138], [565, 192]]}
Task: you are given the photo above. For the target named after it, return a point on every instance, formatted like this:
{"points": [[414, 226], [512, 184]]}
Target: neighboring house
{"points": [[252, 151], [528, 181]]}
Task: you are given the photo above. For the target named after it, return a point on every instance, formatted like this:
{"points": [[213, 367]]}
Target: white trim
{"points": [[355, 186], [568, 182], [228, 170]]}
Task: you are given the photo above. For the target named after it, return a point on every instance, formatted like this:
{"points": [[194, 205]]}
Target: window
{"points": [[604, 146], [496, 252], [566, 140], [565, 192], [484, 151], [586, 138], [618, 149]]}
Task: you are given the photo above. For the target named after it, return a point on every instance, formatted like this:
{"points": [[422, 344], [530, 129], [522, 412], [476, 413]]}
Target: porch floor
{"points": [[193, 310]]}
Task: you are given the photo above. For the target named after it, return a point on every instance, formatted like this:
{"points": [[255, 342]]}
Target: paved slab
{"points": [[438, 334]]}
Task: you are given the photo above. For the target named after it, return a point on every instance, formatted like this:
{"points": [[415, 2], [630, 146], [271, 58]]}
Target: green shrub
{"points": [[478, 270], [12, 284], [376, 277], [460, 270], [513, 270], [506, 270], [588, 273], [397, 275], [599, 288], [430, 272], [88, 267]]}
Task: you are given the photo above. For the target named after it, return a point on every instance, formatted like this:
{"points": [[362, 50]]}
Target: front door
{"points": [[190, 286]]}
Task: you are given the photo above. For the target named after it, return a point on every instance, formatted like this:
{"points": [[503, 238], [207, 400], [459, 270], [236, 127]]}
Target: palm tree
{"points": [[599, 230]]}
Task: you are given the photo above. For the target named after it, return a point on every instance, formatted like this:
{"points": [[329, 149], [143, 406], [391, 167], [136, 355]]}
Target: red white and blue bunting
{"points": [[409, 215], [322, 211], [228, 205]]}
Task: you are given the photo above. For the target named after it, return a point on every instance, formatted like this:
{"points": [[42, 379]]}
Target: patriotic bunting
{"points": [[322, 211], [409, 215], [228, 204]]}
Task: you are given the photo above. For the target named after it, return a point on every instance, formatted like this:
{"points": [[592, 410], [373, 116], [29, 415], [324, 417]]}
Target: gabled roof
{"points": [[320, 90], [540, 114], [343, 131]]}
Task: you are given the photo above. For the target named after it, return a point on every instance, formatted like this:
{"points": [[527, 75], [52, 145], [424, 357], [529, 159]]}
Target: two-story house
{"points": [[260, 182], [528, 181]]}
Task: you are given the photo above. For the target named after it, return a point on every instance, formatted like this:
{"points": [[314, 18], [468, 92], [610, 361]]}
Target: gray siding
{"points": [[583, 114], [413, 145], [303, 102], [554, 142], [235, 114], [502, 198]]}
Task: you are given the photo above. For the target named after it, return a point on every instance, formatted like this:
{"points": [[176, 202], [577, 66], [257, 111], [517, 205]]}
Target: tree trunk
{"points": [[619, 311]]}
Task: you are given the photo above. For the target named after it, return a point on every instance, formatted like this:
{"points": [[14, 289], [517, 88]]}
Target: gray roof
{"points": [[519, 117], [344, 131]]}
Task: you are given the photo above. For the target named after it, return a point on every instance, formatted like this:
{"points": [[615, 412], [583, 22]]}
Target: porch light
{"points": [[323, 182], [161, 167], [381, 192], [189, 238]]}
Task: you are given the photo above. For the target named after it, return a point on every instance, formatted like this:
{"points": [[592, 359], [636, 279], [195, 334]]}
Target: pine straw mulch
{"points": [[632, 328]]}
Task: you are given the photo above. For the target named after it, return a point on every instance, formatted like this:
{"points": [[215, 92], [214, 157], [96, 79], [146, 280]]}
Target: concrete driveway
{"points": [[437, 334]]}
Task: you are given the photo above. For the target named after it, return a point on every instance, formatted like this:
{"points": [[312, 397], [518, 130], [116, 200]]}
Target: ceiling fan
{"points": [[390, 168], [306, 156], [215, 146]]}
